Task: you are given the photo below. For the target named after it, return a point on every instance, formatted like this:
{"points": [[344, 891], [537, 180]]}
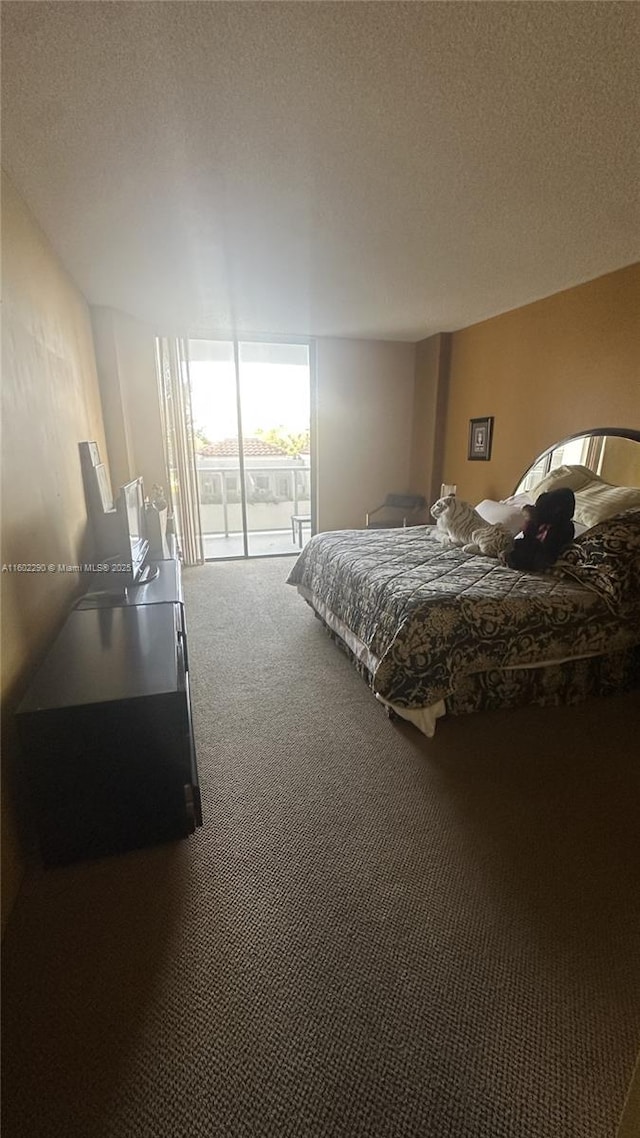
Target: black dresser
{"points": [[105, 727]]}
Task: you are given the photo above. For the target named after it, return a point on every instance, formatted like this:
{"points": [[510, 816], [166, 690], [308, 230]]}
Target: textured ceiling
{"points": [[374, 169]]}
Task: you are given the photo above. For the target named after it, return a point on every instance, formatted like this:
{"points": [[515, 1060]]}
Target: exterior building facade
{"points": [[277, 486]]}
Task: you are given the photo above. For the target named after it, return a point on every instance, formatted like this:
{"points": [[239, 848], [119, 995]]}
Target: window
{"points": [[303, 483], [283, 487], [210, 489], [232, 484]]}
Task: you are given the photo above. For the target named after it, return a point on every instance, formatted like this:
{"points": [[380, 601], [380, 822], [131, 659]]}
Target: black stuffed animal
{"points": [[547, 530]]}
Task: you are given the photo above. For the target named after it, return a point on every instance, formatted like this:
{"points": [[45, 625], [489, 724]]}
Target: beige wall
{"points": [[50, 403], [550, 369], [364, 424], [125, 354]]}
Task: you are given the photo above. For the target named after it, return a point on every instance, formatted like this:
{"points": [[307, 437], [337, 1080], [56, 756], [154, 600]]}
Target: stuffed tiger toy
{"points": [[457, 523]]}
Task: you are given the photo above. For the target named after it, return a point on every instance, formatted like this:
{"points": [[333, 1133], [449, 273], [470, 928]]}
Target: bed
{"points": [[439, 631]]}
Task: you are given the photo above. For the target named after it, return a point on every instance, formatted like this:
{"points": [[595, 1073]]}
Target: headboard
{"points": [[611, 452]]}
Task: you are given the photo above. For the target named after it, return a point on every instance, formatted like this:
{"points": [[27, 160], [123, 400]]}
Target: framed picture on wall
{"points": [[480, 436]]}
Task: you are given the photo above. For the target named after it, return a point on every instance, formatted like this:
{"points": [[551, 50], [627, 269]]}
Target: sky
{"points": [[273, 395]]}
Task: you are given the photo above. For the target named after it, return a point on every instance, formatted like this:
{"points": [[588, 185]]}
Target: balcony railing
{"points": [[267, 510]]}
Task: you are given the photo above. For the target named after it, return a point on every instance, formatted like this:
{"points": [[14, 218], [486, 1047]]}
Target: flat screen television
{"points": [[132, 511]]}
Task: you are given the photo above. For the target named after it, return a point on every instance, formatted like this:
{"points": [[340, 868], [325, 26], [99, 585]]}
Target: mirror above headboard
{"points": [[611, 452]]}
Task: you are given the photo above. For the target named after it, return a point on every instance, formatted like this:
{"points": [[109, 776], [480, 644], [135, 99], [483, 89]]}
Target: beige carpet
{"points": [[373, 935]]}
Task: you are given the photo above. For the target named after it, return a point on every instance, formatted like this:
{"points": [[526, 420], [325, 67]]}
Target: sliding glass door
{"points": [[251, 407]]}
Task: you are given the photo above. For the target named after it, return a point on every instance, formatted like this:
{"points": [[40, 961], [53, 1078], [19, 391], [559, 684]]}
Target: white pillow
{"points": [[501, 513], [600, 501], [573, 477], [596, 500]]}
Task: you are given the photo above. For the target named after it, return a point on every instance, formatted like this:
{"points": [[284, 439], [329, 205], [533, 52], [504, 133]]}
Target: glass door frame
{"points": [[256, 338]]}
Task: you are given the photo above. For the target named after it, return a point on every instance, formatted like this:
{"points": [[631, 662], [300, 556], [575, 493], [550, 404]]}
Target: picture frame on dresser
{"points": [[104, 487]]}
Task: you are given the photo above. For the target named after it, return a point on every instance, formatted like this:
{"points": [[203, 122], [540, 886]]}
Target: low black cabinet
{"points": [[106, 733]]}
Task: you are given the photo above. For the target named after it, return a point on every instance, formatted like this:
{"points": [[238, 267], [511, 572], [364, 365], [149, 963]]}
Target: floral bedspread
{"points": [[431, 616]]}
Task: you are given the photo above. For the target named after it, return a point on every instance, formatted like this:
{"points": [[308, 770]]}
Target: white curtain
{"points": [[175, 401]]}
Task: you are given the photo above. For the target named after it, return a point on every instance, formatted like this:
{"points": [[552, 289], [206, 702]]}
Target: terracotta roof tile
{"points": [[253, 448]]}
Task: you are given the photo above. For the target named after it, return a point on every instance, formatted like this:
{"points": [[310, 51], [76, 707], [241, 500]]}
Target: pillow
{"points": [[574, 477], [600, 501], [606, 559], [509, 517], [596, 500]]}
